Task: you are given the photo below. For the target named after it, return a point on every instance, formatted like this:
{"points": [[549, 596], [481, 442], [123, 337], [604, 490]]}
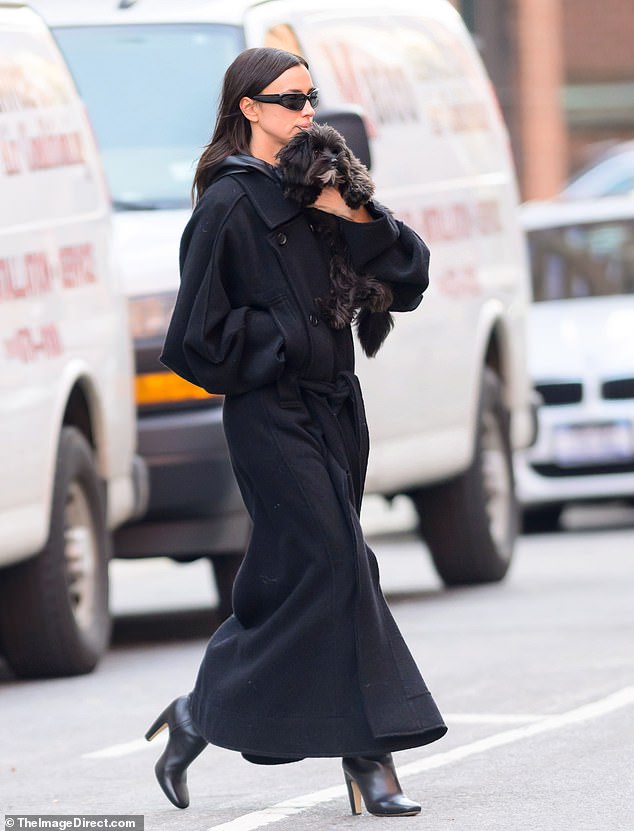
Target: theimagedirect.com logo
{"points": [[25, 822]]}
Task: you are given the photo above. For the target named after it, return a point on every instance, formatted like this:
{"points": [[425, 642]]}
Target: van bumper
{"points": [[195, 508]]}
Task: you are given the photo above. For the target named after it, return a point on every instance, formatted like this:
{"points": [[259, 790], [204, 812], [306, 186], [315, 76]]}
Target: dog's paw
{"points": [[356, 194], [357, 188]]}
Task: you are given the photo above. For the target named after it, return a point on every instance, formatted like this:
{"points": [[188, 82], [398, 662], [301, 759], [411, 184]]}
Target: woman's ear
{"points": [[249, 109]]}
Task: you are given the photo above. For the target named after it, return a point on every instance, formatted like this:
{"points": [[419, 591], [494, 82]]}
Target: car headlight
{"points": [[150, 314]]}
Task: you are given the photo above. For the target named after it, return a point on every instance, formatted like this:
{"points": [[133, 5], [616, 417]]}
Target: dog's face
{"points": [[315, 158]]}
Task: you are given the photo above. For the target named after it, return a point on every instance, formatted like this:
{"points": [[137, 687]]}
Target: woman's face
{"points": [[272, 125]]}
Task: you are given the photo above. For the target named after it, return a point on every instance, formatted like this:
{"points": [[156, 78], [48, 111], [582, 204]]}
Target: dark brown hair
{"points": [[251, 72]]}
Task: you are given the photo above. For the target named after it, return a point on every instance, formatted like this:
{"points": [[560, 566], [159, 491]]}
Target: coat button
{"points": [[313, 319], [282, 239]]}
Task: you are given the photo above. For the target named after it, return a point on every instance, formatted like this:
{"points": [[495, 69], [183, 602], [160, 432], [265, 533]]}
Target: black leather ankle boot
{"points": [[183, 745], [375, 780]]}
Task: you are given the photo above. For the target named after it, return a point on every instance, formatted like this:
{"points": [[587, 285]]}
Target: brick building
{"points": [[564, 73], [598, 44]]}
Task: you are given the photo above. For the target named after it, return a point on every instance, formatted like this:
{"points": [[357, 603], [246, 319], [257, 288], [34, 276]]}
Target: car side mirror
{"points": [[352, 127]]}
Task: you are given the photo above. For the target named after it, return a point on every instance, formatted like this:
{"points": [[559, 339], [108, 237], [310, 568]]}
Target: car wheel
{"points": [[542, 520], [470, 522], [54, 607]]}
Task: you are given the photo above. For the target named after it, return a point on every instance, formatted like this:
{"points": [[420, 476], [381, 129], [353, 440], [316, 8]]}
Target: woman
{"points": [[311, 663]]}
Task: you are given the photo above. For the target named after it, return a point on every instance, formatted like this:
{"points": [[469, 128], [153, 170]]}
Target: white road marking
{"points": [[290, 807], [126, 749], [492, 718]]}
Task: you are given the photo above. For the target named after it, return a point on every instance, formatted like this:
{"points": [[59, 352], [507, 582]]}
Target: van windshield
{"points": [[151, 92], [585, 260]]}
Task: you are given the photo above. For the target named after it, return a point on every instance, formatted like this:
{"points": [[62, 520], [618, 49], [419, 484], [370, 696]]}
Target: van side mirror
{"points": [[351, 126]]}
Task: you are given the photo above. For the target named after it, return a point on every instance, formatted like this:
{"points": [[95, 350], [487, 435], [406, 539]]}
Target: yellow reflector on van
{"points": [[163, 387]]}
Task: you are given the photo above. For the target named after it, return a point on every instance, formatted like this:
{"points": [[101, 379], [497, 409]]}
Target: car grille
{"points": [[555, 471], [571, 392], [554, 395], [619, 389]]}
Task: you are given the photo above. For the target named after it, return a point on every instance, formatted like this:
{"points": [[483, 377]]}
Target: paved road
{"points": [[535, 676]]}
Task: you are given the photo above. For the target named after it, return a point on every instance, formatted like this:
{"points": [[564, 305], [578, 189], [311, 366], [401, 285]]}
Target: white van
{"points": [[69, 474], [448, 396]]}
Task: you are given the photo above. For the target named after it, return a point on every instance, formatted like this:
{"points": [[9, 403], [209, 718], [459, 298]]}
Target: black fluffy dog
{"points": [[316, 158]]}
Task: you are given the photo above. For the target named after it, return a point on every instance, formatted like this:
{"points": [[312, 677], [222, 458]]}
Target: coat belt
{"points": [[338, 409]]}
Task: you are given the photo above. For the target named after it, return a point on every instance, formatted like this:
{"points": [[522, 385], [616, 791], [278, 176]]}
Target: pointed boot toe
{"points": [[173, 782], [184, 744]]}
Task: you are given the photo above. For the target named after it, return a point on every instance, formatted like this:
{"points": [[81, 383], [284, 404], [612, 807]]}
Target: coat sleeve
{"points": [[211, 341], [390, 251]]}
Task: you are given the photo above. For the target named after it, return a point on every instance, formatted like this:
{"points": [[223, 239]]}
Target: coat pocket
{"points": [[264, 352], [294, 332]]}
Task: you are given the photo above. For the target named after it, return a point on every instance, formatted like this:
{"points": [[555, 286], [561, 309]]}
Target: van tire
{"points": [[55, 619], [225, 568], [544, 519], [470, 523]]}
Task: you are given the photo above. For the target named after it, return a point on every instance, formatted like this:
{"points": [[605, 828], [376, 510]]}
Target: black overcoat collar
{"points": [[263, 188]]}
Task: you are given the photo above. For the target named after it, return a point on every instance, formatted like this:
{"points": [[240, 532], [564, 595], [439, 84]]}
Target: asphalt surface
{"points": [[535, 677]]}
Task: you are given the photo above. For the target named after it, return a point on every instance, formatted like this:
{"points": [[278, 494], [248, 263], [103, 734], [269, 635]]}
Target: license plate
{"points": [[583, 444]]}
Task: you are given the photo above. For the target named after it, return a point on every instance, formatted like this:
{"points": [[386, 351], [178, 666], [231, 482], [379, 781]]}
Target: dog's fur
{"points": [[316, 158]]}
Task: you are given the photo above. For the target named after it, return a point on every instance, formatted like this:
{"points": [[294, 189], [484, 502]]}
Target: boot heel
{"points": [[158, 726], [374, 780], [183, 745], [354, 795]]}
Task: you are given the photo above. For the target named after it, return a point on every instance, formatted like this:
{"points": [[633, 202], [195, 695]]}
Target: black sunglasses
{"points": [[291, 100]]}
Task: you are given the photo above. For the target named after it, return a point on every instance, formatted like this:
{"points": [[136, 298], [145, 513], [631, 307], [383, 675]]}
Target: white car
{"points": [[611, 174], [581, 356]]}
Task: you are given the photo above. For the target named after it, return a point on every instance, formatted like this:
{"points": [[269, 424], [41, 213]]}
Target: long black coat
{"points": [[311, 663]]}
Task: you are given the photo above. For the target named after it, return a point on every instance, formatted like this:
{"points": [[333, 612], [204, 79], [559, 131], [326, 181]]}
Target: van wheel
{"points": [[542, 520], [54, 607], [225, 567], [470, 523]]}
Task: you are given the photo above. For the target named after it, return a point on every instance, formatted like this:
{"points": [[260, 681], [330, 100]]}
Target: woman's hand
{"points": [[331, 201]]}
